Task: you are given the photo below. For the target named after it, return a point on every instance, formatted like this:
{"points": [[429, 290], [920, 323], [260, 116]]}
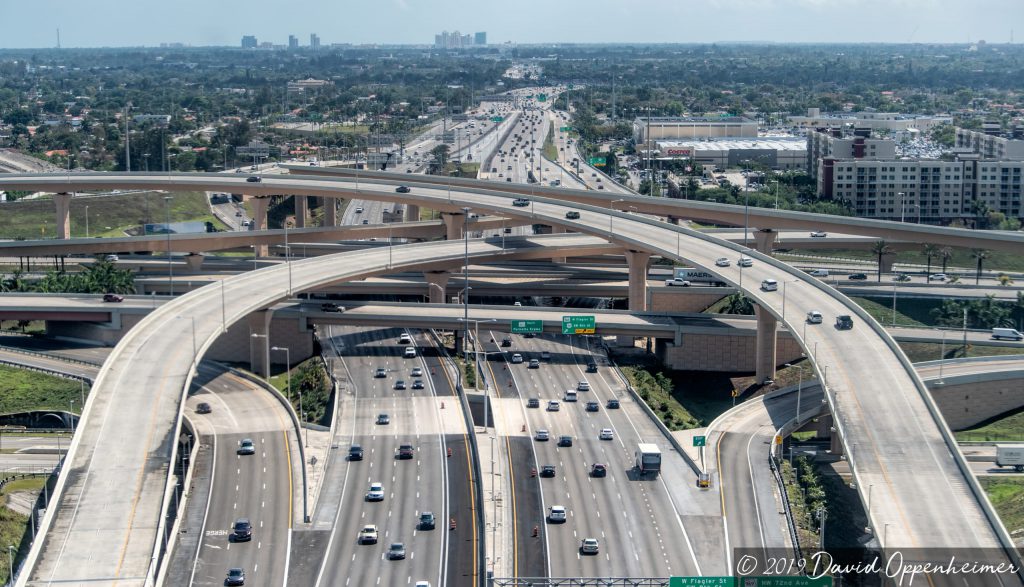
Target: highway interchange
{"points": [[642, 526]]}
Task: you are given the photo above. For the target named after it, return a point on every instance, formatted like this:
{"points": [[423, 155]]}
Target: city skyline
{"points": [[111, 23]]}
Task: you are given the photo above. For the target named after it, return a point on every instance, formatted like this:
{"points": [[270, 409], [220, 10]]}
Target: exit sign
{"points": [[526, 327], [579, 325]]}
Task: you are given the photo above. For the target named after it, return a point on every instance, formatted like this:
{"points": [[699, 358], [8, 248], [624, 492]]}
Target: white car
{"points": [[722, 262], [606, 434], [745, 262], [819, 234], [517, 358], [376, 492], [938, 277], [814, 317], [404, 338], [543, 434], [410, 352], [769, 285], [589, 546], [557, 514], [583, 386], [818, 273], [359, 209], [368, 535], [678, 282]]}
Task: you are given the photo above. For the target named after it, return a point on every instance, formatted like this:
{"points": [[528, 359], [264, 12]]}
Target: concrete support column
{"points": [[637, 261], [259, 220], [764, 240], [453, 225], [766, 330], [62, 201], [558, 230], [259, 346], [673, 220], [301, 211], [888, 260], [412, 213], [437, 283], [836, 445], [330, 212], [194, 261]]}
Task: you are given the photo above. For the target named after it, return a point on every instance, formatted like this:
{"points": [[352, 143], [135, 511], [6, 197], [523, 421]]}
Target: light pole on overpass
{"points": [[167, 230], [287, 368], [87, 221], [465, 278], [611, 217]]}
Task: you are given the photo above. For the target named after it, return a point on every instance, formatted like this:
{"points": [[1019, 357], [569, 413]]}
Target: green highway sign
{"points": [[762, 581], [700, 440], [598, 161], [702, 581], [497, 119], [527, 326], [579, 324], [564, 129]]}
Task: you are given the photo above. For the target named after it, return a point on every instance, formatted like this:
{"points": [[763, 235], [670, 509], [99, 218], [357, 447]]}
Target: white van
{"points": [[1010, 333], [769, 285], [570, 395]]}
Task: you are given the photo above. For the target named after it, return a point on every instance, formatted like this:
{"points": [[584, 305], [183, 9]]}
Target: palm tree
{"points": [[946, 253], [880, 248], [738, 303], [979, 255], [929, 251]]}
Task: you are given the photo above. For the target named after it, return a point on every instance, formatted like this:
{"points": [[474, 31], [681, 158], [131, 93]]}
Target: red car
{"points": [[112, 297]]}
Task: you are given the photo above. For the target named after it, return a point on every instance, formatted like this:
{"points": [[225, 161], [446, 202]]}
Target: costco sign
{"points": [[678, 152]]}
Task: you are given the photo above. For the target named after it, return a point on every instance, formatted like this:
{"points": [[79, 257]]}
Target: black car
{"points": [[427, 521], [533, 403], [355, 453], [858, 276], [565, 441], [252, 179], [203, 408], [403, 189], [844, 322], [400, 384], [406, 451], [236, 576], [613, 404], [417, 384], [598, 470], [547, 471], [592, 406], [507, 341], [591, 367], [520, 202], [572, 215], [329, 307], [242, 530]]}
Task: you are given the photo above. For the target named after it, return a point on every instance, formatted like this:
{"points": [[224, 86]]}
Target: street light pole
{"points": [[87, 222], [287, 369], [167, 230]]}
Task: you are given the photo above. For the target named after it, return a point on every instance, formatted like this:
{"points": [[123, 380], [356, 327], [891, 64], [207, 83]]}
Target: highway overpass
{"points": [[872, 412]]}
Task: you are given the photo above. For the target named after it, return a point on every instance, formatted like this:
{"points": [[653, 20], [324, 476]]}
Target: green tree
{"points": [[945, 253], [440, 155], [880, 249], [738, 303]]}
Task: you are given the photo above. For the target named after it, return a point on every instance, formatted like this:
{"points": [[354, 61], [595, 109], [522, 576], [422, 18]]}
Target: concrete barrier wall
{"points": [[676, 299], [969, 400], [715, 352]]}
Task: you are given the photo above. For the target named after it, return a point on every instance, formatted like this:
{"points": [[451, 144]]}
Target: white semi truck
{"points": [[1010, 455]]}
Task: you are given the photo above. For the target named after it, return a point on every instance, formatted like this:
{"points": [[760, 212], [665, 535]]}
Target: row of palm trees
{"points": [[99, 277], [930, 251]]}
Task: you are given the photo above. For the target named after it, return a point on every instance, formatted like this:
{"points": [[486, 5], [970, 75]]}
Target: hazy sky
{"points": [[96, 23]]}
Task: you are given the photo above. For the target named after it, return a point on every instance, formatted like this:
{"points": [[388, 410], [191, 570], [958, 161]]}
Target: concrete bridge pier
{"points": [[330, 212], [888, 260], [764, 240], [437, 282], [259, 220], [453, 222], [764, 367], [259, 343], [412, 213], [558, 230], [62, 201], [638, 265], [194, 261], [301, 211]]}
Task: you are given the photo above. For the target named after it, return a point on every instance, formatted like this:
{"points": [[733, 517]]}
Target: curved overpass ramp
{"points": [[892, 432]]}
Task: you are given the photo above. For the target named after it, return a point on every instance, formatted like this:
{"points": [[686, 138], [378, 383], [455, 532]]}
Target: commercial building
{"points": [[931, 191], [692, 127], [480, 39], [990, 143], [249, 42], [314, 42], [781, 153], [890, 121], [454, 40], [839, 143], [308, 84], [293, 42]]}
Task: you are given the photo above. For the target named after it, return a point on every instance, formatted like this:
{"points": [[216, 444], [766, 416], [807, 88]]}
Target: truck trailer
{"points": [[1010, 455], [648, 459]]}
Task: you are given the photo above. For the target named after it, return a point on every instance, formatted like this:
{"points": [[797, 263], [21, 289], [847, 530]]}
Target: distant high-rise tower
{"points": [[314, 42], [480, 39], [249, 42], [293, 42]]}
